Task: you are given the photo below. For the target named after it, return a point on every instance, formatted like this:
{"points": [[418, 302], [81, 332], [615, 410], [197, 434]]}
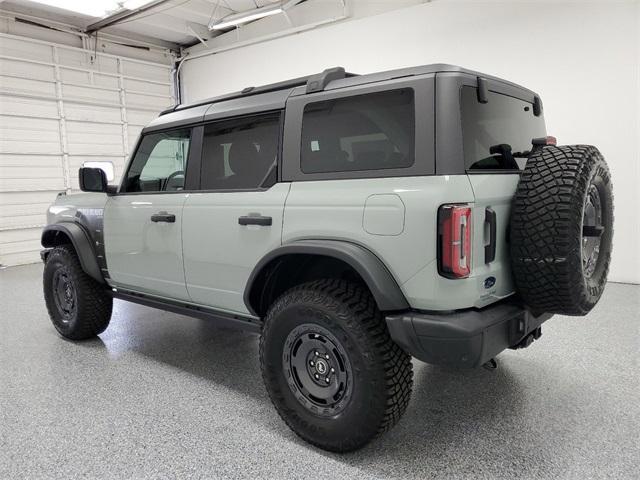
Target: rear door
{"points": [[236, 217], [496, 136], [142, 223]]}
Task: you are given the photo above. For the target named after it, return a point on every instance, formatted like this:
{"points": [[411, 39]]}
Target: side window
{"points": [[240, 154], [364, 132], [160, 163]]}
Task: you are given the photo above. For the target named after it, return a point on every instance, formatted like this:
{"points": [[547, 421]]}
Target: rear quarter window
{"points": [[498, 133], [365, 132]]}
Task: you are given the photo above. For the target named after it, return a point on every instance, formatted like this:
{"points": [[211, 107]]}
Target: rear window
{"points": [[495, 134], [364, 132]]}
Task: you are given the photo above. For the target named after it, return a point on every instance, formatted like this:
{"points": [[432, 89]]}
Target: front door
{"points": [[142, 223], [237, 217]]}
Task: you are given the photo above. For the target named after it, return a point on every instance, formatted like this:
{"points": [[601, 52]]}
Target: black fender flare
{"points": [[82, 244], [378, 278]]}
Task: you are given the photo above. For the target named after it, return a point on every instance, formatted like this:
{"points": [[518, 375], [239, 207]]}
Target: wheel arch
{"points": [[74, 234], [306, 260]]}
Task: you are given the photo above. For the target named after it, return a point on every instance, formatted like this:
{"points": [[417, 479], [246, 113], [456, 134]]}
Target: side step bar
{"points": [[222, 319]]}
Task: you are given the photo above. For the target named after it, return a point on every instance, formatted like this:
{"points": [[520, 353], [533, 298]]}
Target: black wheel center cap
{"points": [[322, 367]]}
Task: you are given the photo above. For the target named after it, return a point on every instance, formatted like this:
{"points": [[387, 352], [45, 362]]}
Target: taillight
{"points": [[454, 241], [544, 141]]}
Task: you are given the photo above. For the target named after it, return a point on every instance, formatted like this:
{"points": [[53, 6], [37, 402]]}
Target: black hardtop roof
{"points": [[275, 95], [337, 77]]}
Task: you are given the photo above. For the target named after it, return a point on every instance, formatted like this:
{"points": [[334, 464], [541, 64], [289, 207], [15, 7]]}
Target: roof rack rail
{"points": [[314, 83]]}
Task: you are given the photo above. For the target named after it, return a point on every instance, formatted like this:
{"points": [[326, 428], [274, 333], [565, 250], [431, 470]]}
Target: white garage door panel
{"points": [[35, 88], [13, 222], [100, 95], [22, 246], [139, 117], [59, 109], [28, 107], [84, 78], [19, 49], [22, 69], [21, 135], [83, 59], [162, 89], [84, 112], [149, 71], [33, 184], [152, 102]]}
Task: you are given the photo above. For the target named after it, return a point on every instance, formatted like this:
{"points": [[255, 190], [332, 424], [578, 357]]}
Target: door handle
{"points": [[490, 249], [163, 217], [254, 219]]}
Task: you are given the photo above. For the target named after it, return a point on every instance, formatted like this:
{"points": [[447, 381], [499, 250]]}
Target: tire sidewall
{"points": [[600, 178]]}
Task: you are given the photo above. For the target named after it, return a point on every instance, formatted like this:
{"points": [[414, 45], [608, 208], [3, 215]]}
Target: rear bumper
{"points": [[464, 338]]}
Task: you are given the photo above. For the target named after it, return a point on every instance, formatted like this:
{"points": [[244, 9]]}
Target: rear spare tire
{"points": [[561, 229]]}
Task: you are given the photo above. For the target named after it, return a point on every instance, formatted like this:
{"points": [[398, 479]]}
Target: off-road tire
{"points": [[382, 373], [92, 303], [546, 232]]}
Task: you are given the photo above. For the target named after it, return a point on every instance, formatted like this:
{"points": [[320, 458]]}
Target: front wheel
{"points": [[79, 307], [330, 367]]}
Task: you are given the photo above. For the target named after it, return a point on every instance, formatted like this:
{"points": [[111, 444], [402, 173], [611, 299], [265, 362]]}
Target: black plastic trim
{"points": [[81, 241], [490, 249], [537, 106], [483, 90], [383, 286], [222, 319], [467, 338], [255, 220]]}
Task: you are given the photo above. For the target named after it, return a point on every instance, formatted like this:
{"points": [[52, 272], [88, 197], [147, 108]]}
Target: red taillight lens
{"points": [[454, 239], [544, 141]]}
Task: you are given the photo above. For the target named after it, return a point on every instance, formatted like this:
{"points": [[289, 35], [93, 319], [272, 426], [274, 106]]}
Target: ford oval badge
{"points": [[489, 282]]}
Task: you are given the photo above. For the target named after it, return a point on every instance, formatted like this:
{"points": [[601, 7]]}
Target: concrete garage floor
{"points": [[164, 396]]}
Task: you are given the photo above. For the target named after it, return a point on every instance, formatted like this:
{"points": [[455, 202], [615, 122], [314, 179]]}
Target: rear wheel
{"points": [[330, 367], [79, 307], [562, 229]]}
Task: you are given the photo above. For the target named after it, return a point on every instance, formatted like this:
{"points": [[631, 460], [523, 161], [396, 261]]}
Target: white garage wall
{"points": [[582, 57], [58, 109]]}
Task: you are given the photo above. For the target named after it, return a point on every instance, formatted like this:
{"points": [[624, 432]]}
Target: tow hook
{"points": [[528, 339], [491, 365]]}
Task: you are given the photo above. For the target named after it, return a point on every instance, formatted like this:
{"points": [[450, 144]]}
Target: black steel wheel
{"points": [[64, 294], [79, 307], [330, 367], [317, 369]]}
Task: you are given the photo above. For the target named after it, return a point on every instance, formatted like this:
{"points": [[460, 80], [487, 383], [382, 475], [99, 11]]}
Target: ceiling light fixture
{"points": [[251, 15], [244, 17]]}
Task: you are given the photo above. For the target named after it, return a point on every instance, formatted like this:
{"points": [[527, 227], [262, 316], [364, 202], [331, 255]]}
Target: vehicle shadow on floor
{"points": [[455, 418]]}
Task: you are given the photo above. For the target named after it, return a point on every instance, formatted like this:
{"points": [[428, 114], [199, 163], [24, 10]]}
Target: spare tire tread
{"points": [[546, 230]]}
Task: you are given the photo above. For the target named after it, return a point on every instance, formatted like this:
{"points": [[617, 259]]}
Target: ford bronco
{"points": [[352, 221]]}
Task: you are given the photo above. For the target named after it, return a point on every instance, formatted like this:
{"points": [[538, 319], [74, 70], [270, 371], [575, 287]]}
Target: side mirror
{"points": [[92, 179]]}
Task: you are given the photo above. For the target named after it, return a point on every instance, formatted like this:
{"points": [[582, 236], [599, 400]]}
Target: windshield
{"points": [[497, 135]]}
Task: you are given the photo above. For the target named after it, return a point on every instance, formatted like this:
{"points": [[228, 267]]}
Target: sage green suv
{"points": [[352, 222]]}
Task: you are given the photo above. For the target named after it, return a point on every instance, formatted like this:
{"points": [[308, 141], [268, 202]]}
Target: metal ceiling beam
{"points": [[117, 17]]}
